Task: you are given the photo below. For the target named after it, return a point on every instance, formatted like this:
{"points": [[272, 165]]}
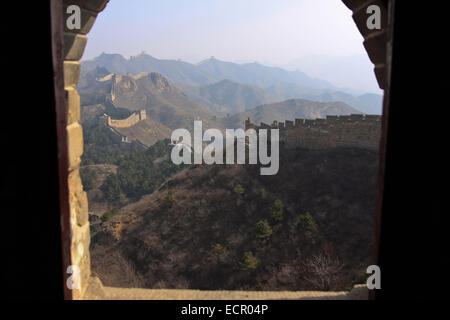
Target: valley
{"points": [[155, 224]]}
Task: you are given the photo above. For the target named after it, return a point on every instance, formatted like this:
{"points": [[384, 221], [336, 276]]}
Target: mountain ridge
{"points": [[163, 102], [280, 84], [205, 72]]}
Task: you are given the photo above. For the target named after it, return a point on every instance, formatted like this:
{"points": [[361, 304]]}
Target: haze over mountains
{"points": [[170, 108], [351, 71], [227, 88], [205, 72], [163, 102], [227, 96]]}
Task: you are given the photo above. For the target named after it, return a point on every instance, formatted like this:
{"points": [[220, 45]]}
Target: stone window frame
{"points": [[67, 49]]}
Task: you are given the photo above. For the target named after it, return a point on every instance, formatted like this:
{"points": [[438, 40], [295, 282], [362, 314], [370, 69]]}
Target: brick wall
{"points": [[128, 122], [334, 131], [74, 45]]}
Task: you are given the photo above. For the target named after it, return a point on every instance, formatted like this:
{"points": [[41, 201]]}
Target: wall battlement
{"points": [[124, 123], [355, 130], [121, 139], [114, 80]]}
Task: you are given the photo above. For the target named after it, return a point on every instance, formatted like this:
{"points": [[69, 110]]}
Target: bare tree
{"points": [[129, 272], [321, 270]]}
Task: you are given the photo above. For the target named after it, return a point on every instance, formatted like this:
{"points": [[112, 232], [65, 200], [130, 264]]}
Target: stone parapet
{"points": [[355, 130], [359, 292]]}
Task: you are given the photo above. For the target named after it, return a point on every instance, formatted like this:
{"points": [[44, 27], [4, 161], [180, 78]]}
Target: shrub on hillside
{"points": [[263, 193], [109, 214], [111, 188], [249, 261], [170, 199], [88, 178], [276, 211], [137, 174], [263, 230], [239, 190], [220, 251], [306, 223]]}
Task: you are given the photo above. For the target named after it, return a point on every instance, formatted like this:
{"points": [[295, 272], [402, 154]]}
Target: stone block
{"points": [[376, 47], [95, 290], [74, 144], [80, 257], [74, 45], [78, 202], [71, 74], [72, 105]]}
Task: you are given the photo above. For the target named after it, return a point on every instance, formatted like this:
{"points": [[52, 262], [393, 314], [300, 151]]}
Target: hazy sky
{"points": [[275, 32]]}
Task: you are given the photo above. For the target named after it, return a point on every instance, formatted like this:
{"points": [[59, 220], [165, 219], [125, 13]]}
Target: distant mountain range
{"points": [[164, 102], [368, 103], [228, 88], [228, 97], [206, 72], [170, 108]]}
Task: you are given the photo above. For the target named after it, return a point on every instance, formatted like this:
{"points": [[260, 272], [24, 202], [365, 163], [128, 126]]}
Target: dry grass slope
{"points": [[173, 246]]}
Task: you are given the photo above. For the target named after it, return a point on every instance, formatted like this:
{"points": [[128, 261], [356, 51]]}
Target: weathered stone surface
{"points": [[75, 181], [80, 256], [376, 47], [353, 130], [77, 200], [71, 74], [360, 17], [360, 292], [74, 45], [87, 20], [75, 144], [95, 290], [81, 203], [72, 105]]}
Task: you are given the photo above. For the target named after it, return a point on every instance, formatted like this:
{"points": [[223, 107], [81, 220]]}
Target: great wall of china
{"points": [[124, 123], [112, 124], [355, 130]]}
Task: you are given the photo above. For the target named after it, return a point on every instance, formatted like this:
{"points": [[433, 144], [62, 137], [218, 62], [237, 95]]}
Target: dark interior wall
{"points": [[414, 247], [29, 185]]}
